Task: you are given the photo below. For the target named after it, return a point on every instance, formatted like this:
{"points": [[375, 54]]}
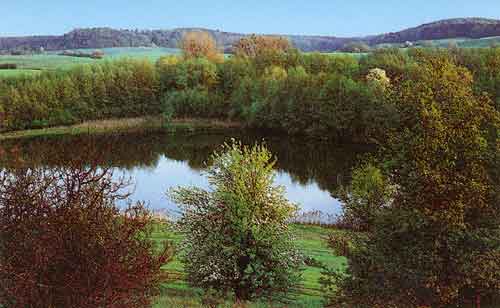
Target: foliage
{"points": [[438, 241], [327, 96], [200, 44], [368, 193], [378, 77], [237, 236], [64, 242], [257, 45], [117, 89], [355, 47], [309, 240]]}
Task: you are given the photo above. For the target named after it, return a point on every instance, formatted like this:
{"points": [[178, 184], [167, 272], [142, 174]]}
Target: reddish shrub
{"points": [[65, 243]]}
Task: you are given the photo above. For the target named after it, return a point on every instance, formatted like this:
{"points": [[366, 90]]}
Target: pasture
{"points": [[33, 64]]}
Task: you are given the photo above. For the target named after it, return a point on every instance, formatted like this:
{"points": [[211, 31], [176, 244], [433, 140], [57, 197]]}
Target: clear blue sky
{"points": [[324, 17]]}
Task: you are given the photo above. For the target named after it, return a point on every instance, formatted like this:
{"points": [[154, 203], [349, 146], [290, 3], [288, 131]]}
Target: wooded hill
{"points": [[107, 37]]}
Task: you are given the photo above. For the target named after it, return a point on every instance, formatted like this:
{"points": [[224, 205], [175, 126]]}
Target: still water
{"points": [[311, 171]]}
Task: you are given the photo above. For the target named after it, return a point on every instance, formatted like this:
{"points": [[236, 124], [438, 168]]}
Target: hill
{"points": [[107, 37], [473, 28]]}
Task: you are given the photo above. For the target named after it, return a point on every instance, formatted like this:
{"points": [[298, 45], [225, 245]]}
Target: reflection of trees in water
{"points": [[304, 159]]}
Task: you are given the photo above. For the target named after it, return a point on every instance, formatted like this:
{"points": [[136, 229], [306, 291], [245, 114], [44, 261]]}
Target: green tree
{"points": [[365, 197], [439, 240], [236, 234]]}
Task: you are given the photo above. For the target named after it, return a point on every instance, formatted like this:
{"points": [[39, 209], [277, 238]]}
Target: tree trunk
{"points": [[241, 291]]}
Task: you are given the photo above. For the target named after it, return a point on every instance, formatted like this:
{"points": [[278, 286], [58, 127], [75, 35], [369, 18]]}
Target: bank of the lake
{"points": [[127, 124]]}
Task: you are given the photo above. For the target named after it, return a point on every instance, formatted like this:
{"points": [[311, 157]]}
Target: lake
{"points": [[310, 170]]}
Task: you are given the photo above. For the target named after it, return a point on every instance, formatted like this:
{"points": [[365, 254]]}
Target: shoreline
{"points": [[125, 124]]}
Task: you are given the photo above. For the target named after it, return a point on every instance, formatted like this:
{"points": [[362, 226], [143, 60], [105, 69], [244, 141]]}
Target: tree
{"points": [[236, 235], [366, 196], [200, 44], [65, 243], [452, 44], [255, 45], [379, 77], [97, 54], [356, 47], [439, 240]]}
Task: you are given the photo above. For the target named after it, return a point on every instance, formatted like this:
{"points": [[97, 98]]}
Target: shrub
{"points": [[236, 235], [64, 242], [8, 66], [255, 45]]}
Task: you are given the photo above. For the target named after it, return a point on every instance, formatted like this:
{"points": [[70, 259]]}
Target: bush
{"points": [[8, 66], [256, 45], [64, 242], [236, 235]]}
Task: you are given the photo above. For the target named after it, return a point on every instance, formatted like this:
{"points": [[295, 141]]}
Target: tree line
{"points": [[266, 84]]}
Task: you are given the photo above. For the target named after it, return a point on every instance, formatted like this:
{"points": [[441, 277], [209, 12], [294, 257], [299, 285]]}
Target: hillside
{"points": [[473, 28], [107, 37]]}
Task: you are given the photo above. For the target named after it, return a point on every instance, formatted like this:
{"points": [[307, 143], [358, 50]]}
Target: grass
{"points": [[150, 53], [126, 124], [32, 64], [310, 239], [18, 72], [45, 61]]}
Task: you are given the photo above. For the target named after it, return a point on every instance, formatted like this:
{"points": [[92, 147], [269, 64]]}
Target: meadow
{"points": [[50, 61], [310, 239]]}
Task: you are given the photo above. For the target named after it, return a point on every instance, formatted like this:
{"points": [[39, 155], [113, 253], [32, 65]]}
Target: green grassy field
{"points": [[33, 64], [18, 72], [310, 239]]}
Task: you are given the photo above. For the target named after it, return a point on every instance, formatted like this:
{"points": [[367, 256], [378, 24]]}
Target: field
{"points": [[32, 64], [18, 72], [310, 239]]}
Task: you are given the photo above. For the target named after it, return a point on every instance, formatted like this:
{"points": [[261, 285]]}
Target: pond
{"points": [[310, 170]]}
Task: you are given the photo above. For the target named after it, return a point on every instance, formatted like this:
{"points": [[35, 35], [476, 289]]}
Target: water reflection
{"points": [[310, 170]]}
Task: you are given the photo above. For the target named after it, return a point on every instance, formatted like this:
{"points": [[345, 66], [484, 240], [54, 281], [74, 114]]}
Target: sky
{"points": [[313, 17]]}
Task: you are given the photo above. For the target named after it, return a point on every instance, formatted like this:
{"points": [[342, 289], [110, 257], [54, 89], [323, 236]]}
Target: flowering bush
{"points": [[378, 76], [236, 234]]}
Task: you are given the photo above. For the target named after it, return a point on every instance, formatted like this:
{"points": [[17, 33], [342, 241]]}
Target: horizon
{"points": [[261, 17], [244, 33]]}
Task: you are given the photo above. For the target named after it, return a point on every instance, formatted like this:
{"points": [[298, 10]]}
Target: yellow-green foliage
{"points": [[437, 242], [237, 236], [333, 96]]}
